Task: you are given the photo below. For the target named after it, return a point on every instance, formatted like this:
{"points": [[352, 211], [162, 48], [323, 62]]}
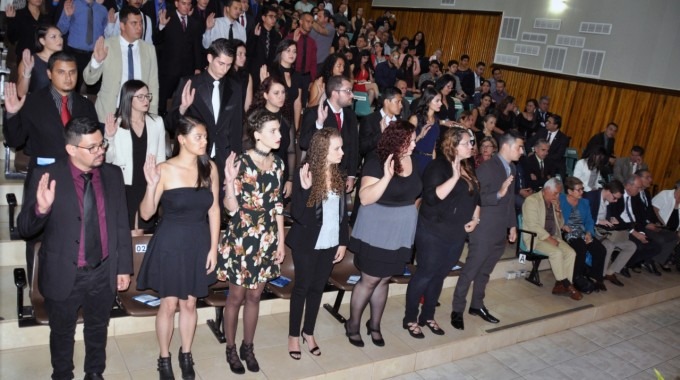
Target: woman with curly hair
{"points": [[449, 211], [363, 76], [272, 97], [335, 64], [319, 234], [427, 126], [383, 233], [253, 246], [284, 71]]}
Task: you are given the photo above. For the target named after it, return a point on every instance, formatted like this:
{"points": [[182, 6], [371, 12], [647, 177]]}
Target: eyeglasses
{"points": [[95, 148], [346, 91], [141, 97], [579, 189]]}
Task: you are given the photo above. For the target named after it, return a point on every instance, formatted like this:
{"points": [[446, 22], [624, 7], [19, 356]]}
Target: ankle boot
{"points": [[186, 364], [165, 368], [248, 355], [234, 361]]}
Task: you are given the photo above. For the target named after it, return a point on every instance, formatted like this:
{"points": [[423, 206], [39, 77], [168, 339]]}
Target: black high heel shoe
{"points": [[355, 342], [378, 342], [316, 351], [295, 355]]}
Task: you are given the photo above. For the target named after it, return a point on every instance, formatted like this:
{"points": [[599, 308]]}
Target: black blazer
{"points": [[616, 209], [598, 141], [647, 210], [557, 149], [38, 124], [594, 198], [307, 221], [369, 133], [227, 133], [531, 166], [179, 52], [349, 132], [61, 228], [256, 50]]}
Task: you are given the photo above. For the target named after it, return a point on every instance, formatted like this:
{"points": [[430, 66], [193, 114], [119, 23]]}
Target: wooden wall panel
{"points": [[646, 117]]}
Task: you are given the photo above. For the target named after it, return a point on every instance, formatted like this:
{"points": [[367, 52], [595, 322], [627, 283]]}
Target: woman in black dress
{"points": [[284, 71], [183, 251], [505, 114], [319, 234], [242, 75], [23, 23], [272, 97], [33, 67], [449, 211], [133, 135], [383, 233], [526, 122]]}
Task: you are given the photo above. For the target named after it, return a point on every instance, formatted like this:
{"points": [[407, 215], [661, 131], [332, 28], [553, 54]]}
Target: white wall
{"points": [[643, 47]]}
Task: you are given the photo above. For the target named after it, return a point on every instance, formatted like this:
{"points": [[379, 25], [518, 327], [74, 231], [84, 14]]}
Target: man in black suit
{"points": [[179, 41], [613, 240], [558, 143], [605, 140], [37, 121], [78, 205], [215, 99], [336, 112], [373, 125], [498, 220], [542, 110], [630, 216], [262, 43], [537, 169], [653, 225]]}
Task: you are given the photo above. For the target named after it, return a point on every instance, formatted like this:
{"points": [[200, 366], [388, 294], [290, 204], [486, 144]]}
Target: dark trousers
{"points": [[666, 239], [644, 252], [306, 81], [435, 257], [485, 249], [92, 292], [597, 251], [312, 270], [167, 86]]}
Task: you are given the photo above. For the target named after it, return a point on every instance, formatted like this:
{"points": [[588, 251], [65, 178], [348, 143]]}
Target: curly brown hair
{"points": [[450, 141], [317, 159], [394, 140], [258, 99]]}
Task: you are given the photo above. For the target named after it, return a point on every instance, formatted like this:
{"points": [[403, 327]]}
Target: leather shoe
{"points": [[559, 289], [636, 269], [612, 278], [651, 268], [457, 321], [599, 286], [625, 272], [484, 314], [94, 376], [573, 293]]}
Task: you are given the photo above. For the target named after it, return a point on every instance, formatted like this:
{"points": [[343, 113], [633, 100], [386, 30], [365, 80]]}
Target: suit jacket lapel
{"points": [[206, 97], [224, 101]]}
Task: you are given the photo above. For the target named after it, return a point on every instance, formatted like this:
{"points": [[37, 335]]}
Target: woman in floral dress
{"points": [[253, 247]]}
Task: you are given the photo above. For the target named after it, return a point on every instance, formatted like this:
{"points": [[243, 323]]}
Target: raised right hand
{"points": [[110, 125], [231, 168], [305, 177], [423, 132], [45, 194], [10, 12], [187, 97], [112, 16], [321, 113], [152, 172], [506, 185], [27, 59], [388, 167], [296, 34], [210, 21], [12, 102], [69, 8], [163, 18]]}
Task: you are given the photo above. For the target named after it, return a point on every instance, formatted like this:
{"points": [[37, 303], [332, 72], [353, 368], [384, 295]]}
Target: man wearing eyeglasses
{"points": [[78, 205], [37, 121], [336, 112]]}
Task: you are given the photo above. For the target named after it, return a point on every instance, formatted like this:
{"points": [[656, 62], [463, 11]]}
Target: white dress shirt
{"points": [[221, 30]]}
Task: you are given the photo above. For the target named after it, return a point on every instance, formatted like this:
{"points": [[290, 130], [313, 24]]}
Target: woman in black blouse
{"points": [[284, 70], [23, 23], [505, 114], [449, 211], [242, 75]]}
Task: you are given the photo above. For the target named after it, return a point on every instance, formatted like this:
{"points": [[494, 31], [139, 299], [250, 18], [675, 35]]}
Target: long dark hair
{"points": [[280, 48], [184, 126], [368, 66], [329, 63], [127, 92], [258, 99], [424, 103]]}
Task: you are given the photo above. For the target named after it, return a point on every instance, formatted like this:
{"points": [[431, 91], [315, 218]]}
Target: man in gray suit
{"points": [[624, 167], [487, 241]]}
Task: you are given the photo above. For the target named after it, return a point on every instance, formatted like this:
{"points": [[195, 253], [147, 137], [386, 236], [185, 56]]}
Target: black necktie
{"points": [[231, 31], [630, 215], [131, 63], [89, 33], [93, 244]]}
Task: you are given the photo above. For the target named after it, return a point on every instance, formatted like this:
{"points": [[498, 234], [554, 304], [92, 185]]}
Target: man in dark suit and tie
{"points": [[558, 143], [214, 98], [487, 241], [262, 43], [542, 110], [336, 112], [373, 125], [79, 206], [179, 49], [37, 121], [537, 169]]}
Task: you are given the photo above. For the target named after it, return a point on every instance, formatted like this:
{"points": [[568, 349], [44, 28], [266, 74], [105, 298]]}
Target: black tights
{"points": [[371, 290], [237, 296]]}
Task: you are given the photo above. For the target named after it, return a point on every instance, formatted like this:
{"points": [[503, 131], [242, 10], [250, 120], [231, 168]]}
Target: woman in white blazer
{"points": [[588, 170], [134, 134]]}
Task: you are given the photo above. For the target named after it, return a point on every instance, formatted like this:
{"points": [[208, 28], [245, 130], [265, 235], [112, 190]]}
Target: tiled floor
{"points": [[628, 346]]}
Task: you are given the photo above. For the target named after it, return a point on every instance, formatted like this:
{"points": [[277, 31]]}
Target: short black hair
{"points": [[78, 127], [222, 46], [127, 11], [638, 149], [452, 62], [60, 56], [334, 83], [464, 56], [508, 138], [614, 186], [389, 93], [557, 119], [480, 63]]}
